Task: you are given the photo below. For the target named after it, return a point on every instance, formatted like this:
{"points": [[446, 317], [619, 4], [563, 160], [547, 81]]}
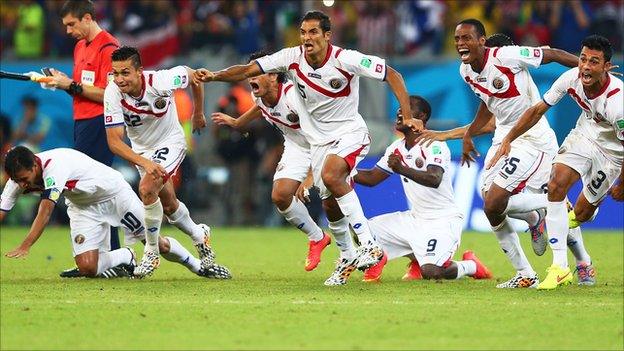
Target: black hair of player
{"points": [[498, 40], [478, 26], [127, 52], [600, 43], [419, 104], [324, 21], [77, 8], [281, 76], [17, 159], [30, 100]]}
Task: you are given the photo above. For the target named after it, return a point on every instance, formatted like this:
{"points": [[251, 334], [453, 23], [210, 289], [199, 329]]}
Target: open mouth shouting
{"points": [[586, 78], [464, 54], [255, 88]]}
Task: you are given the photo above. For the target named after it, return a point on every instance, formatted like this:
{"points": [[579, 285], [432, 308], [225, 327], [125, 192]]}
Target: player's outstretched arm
{"points": [[41, 220], [528, 119], [469, 152], [427, 137], [431, 178], [62, 81], [560, 56], [231, 74], [197, 90], [223, 119], [115, 138], [397, 85], [370, 177]]}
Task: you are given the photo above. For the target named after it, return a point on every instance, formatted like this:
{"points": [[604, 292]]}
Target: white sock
{"points": [[181, 218], [179, 254], [526, 202], [576, 245], [530, 217], [297, 215], [350, 206], [113, 258], [340, 230], [510, 243], [464, 268], [557, 224], [153, 220]]}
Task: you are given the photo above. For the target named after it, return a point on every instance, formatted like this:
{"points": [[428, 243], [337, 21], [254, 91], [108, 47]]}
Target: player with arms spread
{"points": [[430, 231], [327, 78], [141, 103], [273, 97], [593, 151]]}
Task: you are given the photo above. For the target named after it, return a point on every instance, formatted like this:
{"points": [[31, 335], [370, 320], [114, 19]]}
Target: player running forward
{"points": [[97, 198], [535, 219], [141, 103], [430, 231], [592, 151], [500, 78], [273, 96], [327, 79]]}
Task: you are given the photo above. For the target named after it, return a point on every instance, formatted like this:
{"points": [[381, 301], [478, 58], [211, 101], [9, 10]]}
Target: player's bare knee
{"points": [[556, 190], [281, 199], [169, 208], [147, 192], [431, 271], [87, 269]]}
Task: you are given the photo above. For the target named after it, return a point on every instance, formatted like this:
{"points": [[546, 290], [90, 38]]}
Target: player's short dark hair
{"points": [[324, 21], [281, 76], [30, 100], [497, 40], [77, 8], [17, 159], [600, 43], [127, 53], [419, 104], [476, 24]]}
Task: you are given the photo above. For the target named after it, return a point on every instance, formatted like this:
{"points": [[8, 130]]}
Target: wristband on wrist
{"points": [[75, 88]]}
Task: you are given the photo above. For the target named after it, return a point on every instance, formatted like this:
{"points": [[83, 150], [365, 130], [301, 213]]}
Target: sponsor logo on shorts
{"points": [[79, 239], [366, 62], [108, 119], [437, 160], [335, 83], [497, 83], [160, 103]]}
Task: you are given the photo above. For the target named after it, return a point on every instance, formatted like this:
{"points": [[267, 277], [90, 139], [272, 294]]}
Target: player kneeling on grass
{"points": [[430, 232], [274, 100], [97, 197]]}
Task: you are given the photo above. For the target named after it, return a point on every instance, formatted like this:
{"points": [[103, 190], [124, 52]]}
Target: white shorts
{"points": [[294, 164], [170, 157], [598, 173], [352, 147], [90, 225], [524, 167], [432, 241]]}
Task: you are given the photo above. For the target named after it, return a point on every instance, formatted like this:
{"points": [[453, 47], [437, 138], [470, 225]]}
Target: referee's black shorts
{"points": [[90, 139]]}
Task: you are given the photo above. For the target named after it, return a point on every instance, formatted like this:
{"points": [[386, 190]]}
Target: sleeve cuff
{"points": [[114, 125], [383, 169], [546, 102], [260, 66]]}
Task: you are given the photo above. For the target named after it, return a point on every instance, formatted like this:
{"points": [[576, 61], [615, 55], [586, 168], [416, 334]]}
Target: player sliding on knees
{"points": [[327, 80], [141, 103], [430, 231], [97, 198], [593, 151], [276, 103]]}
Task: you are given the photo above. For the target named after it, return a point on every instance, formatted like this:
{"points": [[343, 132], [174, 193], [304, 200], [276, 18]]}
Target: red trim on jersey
{"points": [[267, 115], [485, 58], [142, 89], [151, 76], [494, 53], [578, 99], [337, 53], [301, 49], [523, 183], [512, 90], [327, 56], [612, 92], [46, 163], [71, 184], [422, 152], [287, 88], [350, 158], [344, 92], [602, 89], [398, 153], [148, 112]]}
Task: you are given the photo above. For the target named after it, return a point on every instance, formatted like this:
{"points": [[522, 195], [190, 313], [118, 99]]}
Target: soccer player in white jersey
{"points": [[327, 78], [430, 231], [500, 78], [535, 219], [273, 94], [141, 103], [593, 151], [97, 197]]}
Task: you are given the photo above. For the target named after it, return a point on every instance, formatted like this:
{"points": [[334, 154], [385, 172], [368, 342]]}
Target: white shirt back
{"points": [[152, 119], [430, 203], [508, 90], [329, 93], [601, 119]]}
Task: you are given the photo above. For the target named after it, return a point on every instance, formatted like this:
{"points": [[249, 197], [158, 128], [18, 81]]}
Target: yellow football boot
{"points": [[556, 276]]}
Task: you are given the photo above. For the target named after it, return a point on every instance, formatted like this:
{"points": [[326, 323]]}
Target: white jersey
{"points": [[601, 119], [508, 90], [426, 202], [329, 93], [80, 178], [284, 115], [151, 120]]}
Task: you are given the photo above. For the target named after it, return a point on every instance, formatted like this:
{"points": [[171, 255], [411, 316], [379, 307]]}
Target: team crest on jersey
{"points": [[335, 83], [419, 162], [79, 239], [497, 83], [160, 103], [292, 117]]}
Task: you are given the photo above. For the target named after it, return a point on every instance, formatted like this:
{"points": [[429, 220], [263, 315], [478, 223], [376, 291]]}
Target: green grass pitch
{"points": [[272, 303]]}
